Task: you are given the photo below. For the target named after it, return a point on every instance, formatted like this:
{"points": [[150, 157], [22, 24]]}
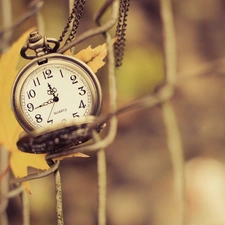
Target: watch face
{"points": [[54, 90]]}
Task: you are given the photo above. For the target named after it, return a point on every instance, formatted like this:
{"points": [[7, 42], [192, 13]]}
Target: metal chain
{"points": [[74, 17], [119, 45]]}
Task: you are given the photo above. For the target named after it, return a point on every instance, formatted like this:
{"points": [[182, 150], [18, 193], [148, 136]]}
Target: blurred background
{"points": [[140, 176]]}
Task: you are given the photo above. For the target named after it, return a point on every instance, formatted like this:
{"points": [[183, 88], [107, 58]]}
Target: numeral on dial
{"points": [[82, 91], [36, 81], [47, 74], [61, 73], [31, 93], [50, 121], [73, 78], [82, 105], [38, 118], [30, 107], [75, 115]]}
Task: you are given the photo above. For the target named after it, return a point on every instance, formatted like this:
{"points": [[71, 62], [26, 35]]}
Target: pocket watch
{"points": [[53, 88], [57, 98]]}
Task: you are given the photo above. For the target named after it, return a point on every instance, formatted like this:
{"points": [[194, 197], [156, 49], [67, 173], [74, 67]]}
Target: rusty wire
{"points": [[102, 29], [162, 96]]}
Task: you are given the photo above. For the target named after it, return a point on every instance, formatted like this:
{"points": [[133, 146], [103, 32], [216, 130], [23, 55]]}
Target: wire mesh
{"points": [[162, 97]]}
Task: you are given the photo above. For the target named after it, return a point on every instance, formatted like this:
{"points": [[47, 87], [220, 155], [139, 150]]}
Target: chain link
{"points": [[74, 18], [119, 45]]}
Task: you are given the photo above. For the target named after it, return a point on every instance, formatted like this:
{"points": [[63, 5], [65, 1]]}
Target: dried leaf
{"points": [[9, 127], [93, 57]]}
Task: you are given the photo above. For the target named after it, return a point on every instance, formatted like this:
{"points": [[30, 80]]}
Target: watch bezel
{"points": [[51, 59]]}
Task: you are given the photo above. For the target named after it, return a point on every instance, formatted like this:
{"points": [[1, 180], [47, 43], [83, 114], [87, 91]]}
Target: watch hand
{"points": [[48, 120], [56, 98], [50, 101], [51, 90]]}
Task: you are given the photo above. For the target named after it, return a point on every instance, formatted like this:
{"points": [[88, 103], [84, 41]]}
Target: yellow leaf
{"points": [[93, 57], [20, 161], [9, 127]]}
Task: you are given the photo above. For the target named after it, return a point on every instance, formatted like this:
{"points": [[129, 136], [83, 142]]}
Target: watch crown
{"points": [[34, 37], [40, 45]]}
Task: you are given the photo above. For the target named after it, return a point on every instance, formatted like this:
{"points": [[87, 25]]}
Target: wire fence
{"points": [[161, 97]]}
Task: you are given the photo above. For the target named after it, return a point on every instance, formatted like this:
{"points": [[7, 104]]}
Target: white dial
{"points": [[53, 90]]}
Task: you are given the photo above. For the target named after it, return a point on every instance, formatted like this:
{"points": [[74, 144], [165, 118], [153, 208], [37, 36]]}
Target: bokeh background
{"points": [[140, 176]]}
